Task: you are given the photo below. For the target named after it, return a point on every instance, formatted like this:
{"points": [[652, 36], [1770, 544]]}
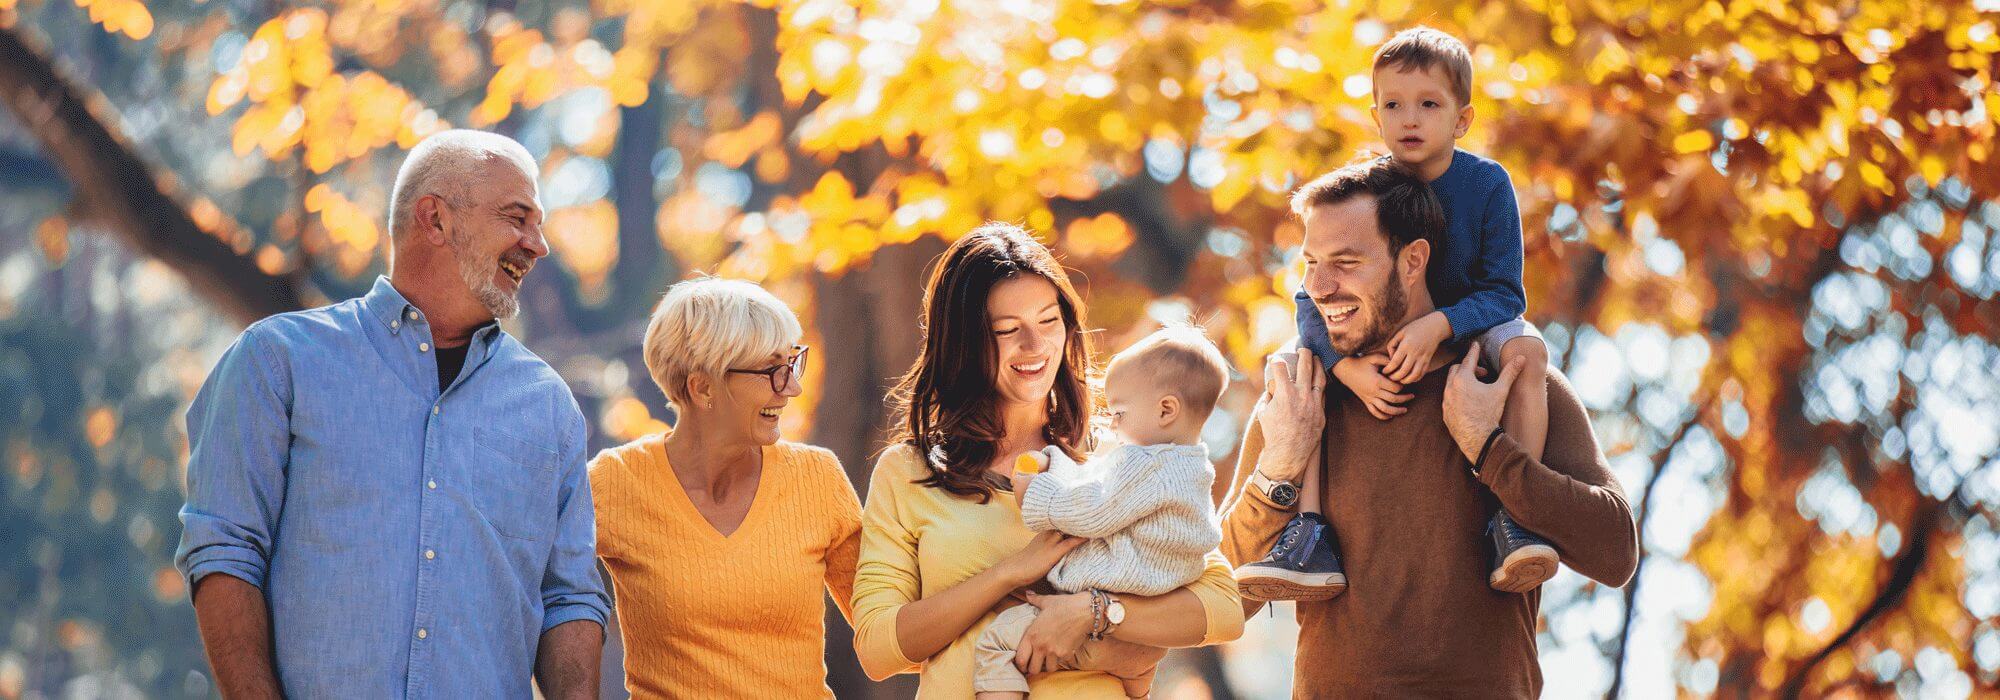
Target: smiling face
{"points": [[747, 407], [1029, 335], [498, 237], [1352, 278], [1418, 117]]}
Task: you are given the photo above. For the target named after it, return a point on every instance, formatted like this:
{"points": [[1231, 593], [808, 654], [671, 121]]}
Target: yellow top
{"points": [[743, 616], [917, 541]]}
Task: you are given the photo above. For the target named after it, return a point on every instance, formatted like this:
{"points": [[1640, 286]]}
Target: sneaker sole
{"points": [[1525, 569], [1280, 584]]}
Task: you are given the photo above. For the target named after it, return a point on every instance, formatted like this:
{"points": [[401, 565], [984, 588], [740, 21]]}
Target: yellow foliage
{"points": [[584, 238], [128, 17], [1101, 236]]}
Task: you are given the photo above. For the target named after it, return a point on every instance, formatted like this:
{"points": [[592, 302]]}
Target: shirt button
{"points": [[433, 484], [413, 315], [423, 633], [435, 408], [395, 324], [430, 554], [423, 347]]}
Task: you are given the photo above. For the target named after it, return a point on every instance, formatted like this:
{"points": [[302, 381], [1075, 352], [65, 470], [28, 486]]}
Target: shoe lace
{"points": [[1287, 543]]}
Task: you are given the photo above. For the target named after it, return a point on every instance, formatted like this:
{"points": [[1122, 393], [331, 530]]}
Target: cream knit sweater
{"points": [[1146, 509]]}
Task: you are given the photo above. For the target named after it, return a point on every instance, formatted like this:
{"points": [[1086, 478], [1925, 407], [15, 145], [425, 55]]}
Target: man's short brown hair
{"points": [[1405, 208], [1420, 48]]}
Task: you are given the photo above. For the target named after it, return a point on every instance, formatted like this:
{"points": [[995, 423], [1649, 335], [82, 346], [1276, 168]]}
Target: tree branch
{"points": [[1902, 575], [1661, 458], [123, 192]]}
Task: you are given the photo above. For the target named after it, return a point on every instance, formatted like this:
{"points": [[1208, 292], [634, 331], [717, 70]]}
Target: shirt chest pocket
{"points": [[512, 484]]}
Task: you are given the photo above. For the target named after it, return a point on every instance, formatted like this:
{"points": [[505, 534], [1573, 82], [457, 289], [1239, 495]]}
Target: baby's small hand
{"points": [[1021, 482]]}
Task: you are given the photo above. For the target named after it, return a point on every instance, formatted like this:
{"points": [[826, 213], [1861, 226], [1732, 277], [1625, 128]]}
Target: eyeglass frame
{"points": [[796, 367]]}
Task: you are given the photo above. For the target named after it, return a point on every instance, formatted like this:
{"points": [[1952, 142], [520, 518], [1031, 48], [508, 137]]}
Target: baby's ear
{"points": [[1170, 408]]}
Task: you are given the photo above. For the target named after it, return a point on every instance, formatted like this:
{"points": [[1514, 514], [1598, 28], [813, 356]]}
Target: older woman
{"points": [[720, 537], [1002, 372]]}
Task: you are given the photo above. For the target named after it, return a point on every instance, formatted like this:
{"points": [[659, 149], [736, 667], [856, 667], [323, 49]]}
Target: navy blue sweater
{"points": [[1475, 269]]}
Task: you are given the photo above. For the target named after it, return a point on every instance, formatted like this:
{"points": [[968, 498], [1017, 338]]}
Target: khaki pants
{"points": [[993, 655]]}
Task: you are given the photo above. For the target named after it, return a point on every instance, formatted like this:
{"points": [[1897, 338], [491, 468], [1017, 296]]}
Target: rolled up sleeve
{"points": [[571, 587], [239, 438]]}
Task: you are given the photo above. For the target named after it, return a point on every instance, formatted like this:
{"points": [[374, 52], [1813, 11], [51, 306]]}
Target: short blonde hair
{"points": [[706, 325], [1182, 361], [1420, 48]]}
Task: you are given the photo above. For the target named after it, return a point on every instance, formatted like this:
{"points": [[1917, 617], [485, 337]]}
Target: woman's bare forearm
{"points": [[926, 626], [1173, 620]]}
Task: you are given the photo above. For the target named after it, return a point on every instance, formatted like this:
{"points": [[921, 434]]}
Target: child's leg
{"points": [[994, 676], [1522, 559], [1527, 412], [1309, 488]]}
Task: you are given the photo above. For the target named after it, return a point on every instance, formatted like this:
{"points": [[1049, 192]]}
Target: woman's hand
{"points": [[1059, 629], [1034, 561]]}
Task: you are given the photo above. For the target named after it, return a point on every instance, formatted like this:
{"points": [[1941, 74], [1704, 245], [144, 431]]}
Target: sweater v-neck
{"points": [[768, 455]]}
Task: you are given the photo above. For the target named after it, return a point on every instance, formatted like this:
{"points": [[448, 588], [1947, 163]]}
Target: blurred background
{"points": [[1761, 238]]}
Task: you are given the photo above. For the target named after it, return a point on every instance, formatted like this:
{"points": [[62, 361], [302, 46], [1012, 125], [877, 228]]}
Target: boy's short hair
{"points": [[1421, 48], [1184, 362]]}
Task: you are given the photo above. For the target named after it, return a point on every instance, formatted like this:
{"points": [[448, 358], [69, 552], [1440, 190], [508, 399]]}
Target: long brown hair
{"points": [[946, 402]]}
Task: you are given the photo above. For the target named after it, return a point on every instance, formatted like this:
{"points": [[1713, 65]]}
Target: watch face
{"points": [[1284, 494], [1116, 613]]}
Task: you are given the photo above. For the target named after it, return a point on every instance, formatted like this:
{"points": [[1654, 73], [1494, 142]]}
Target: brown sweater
{"points": [[1418, 618]]}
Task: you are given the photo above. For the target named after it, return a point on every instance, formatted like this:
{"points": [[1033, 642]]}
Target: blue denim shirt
{"points": [[409, 542]]}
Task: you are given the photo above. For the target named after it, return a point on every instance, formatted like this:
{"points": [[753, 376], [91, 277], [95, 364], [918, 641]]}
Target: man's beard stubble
{"points": [[478, 277], [1385, 316]]}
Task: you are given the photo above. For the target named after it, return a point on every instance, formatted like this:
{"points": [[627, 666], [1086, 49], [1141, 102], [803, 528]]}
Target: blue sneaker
{"points": [[1522, 560], [1304, 565]]}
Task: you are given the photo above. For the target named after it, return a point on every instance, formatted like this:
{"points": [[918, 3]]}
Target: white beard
{"points": [[478, 276]]}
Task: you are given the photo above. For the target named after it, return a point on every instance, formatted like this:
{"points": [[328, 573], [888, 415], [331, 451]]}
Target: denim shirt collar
{"points": [[396, 312]]}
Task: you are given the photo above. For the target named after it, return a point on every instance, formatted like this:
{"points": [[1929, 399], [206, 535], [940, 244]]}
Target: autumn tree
{"points": [[1760, 236]]}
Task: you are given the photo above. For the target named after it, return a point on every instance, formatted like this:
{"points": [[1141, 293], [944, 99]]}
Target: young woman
{"points": [[719, 537], [1002, 372]]}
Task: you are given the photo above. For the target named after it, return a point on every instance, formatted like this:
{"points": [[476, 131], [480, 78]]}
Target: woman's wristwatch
{"points": [[1108, 613], [1283, 494]]}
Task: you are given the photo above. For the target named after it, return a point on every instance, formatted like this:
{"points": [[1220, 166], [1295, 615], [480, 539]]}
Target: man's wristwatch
{"points": [[1283, 494]]}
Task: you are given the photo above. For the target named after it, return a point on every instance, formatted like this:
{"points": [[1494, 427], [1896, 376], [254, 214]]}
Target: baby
{"points": [[1145, 505]]}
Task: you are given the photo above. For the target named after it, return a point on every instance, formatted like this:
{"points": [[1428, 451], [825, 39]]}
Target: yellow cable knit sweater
{"points": [[707, 616]]}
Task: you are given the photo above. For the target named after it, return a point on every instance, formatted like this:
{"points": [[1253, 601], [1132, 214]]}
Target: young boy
{"points": [[1423, 88], [1145, 505]]}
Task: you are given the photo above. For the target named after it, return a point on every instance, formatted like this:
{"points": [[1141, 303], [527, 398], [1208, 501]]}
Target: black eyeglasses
{"points": [[782, 376]]}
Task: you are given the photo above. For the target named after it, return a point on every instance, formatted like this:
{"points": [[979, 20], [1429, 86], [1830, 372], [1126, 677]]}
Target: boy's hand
{"points": [[1363, 375], [1411, 349]]}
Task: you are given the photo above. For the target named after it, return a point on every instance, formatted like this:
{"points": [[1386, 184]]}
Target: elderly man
{"points": [[1409, 498], [387, 496]]}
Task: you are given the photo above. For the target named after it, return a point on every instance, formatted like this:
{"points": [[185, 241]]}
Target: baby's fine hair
{"points": [[1183, 361]]}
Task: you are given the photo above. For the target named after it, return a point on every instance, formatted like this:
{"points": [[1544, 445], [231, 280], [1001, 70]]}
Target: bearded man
{"points": [[1408, 500], [392, 488]]}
